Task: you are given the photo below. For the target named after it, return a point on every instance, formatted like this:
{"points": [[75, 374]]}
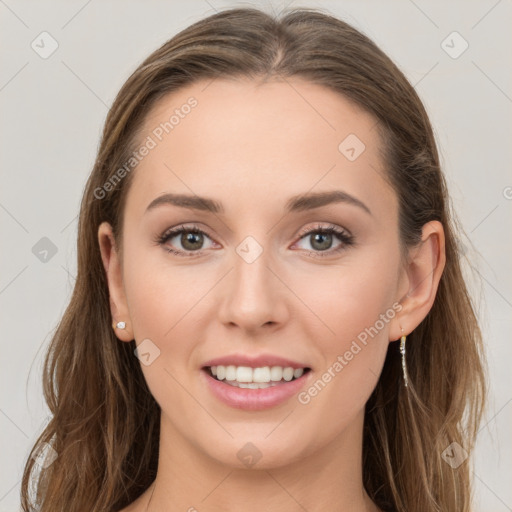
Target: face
{"points": [[298, 266]]}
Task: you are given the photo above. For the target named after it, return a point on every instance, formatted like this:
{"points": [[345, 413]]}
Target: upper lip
{"points": [[254, 361]]}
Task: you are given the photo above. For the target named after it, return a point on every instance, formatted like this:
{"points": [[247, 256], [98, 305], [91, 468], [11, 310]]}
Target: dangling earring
{"points": [[402, 351], [118, 325]]}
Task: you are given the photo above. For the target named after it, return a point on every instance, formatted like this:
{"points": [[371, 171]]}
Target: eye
{"points": [[321, 239], [190, 238]]}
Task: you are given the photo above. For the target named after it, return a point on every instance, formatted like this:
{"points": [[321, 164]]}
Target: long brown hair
{"points": [[104, 421]]}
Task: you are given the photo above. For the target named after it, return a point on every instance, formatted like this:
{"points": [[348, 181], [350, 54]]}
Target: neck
{"points": [[329, 478]]}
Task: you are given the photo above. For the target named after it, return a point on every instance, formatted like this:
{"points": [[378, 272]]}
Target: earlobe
{"points": [[423, 273], [112, 265]]}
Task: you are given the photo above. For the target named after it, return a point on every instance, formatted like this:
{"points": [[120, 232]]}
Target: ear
{"points": [[112, 265], [419, 280]]}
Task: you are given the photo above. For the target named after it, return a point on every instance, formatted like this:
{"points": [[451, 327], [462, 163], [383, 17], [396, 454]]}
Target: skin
{"points": [[251, 147]]}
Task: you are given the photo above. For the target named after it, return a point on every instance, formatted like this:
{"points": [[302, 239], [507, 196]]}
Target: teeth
{"points": [[288, 374], [261, 374], [276, 373], [231, 372], [251, 385], [243, 374], [298, 372], [221, 372], [247, 377]]}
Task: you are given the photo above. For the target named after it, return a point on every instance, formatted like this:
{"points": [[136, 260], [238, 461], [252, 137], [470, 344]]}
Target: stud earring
{"points": [[402, 351], [118, 325]]}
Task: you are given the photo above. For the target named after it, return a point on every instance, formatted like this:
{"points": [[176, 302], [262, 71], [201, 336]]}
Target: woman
{"points": [[269, 311]]}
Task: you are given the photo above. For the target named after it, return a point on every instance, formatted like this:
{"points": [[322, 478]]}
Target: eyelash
{"points": [[342, 235]]}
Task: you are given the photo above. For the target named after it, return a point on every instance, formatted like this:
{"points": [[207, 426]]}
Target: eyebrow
{"points": [[297, 203]]}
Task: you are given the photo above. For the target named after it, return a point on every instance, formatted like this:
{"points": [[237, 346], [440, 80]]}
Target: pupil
{"points": [[190, 238], [327, 238]]}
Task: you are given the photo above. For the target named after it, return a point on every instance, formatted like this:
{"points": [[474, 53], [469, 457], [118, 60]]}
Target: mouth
{"points": [[254, 383], [248, 377]]}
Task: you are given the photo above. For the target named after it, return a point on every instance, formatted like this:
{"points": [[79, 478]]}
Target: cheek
{"points": [[159, 295], [167, 303], [162, 302], [356, 306], [350, 297]]}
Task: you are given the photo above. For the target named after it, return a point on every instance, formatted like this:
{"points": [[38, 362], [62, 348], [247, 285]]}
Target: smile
{"points": [[255, 378], [244, 387]]}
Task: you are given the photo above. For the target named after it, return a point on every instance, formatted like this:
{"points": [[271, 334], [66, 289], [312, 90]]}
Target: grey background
{"points": [[53, 110]]}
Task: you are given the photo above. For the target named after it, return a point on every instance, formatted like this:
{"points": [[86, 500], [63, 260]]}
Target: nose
{"points": [[253, 296]]}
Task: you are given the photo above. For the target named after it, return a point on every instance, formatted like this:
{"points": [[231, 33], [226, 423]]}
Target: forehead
{"points": [[247, 143]]}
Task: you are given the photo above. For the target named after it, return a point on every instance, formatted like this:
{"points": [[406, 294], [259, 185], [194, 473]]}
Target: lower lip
{"points": [[254, 399]]}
